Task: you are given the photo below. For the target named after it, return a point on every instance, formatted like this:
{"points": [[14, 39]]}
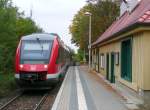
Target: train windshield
{"points": [[35, 52]]}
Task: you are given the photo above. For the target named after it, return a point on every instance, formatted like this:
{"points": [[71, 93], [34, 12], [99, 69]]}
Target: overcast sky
{"points": [[52, 15]]}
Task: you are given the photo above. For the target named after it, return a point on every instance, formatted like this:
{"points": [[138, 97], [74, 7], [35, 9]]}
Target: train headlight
{"points": [[21, 66], [45, 66]]}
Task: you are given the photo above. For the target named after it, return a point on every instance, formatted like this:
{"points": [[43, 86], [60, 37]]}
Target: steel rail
{"points": [[9, 102], [41, 102]]}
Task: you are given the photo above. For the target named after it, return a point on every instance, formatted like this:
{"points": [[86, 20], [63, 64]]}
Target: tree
{"points": [[79, 56], [103, 14], [25, 26], [13, 25]]}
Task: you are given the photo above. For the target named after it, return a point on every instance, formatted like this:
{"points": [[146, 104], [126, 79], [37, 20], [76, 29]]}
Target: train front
{"points": [[32, 62]]}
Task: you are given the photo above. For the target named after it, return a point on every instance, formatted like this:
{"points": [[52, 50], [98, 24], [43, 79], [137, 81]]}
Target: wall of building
{"points": [[140, 61], [146, 60], [114, 47], [129, 6]]}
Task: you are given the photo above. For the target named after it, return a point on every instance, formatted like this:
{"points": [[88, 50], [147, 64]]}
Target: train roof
{"points": [[45, 36], [41, 36]]}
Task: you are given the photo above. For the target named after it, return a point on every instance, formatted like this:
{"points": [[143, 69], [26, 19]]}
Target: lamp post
{"points": [[89, 46]]}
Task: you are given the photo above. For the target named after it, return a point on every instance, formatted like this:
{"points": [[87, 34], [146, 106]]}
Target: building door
{"points": [[96, 63], [97, 59], [107, 66], [112, 80], [126, 60]]}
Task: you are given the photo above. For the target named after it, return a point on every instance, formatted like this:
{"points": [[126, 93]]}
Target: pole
{"points": [[90, 41], [84, 59]]}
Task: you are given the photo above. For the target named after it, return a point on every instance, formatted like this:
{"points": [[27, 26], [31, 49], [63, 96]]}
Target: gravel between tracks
{"points": [[26, 102], [48, 103], [30, 99], [5, 99]]}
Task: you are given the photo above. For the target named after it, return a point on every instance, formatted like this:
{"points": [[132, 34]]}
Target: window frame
{"points": [[117, 58], [102, 61]]}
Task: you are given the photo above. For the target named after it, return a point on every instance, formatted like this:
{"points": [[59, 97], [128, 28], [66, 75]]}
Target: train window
{"points": [[36, 46], [35, 52]]}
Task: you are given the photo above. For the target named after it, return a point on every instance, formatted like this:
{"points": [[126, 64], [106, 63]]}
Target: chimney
{"points": [[128, 5]]}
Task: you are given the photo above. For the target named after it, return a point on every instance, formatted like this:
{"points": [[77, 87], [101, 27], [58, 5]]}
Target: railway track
{"points": [[41, 102], [32, 101], [11, 100]]}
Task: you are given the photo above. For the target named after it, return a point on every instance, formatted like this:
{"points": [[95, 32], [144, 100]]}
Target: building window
{"points": [[117, 58], [102, 61]]}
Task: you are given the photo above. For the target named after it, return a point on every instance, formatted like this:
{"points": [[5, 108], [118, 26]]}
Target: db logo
{"points": [[33, 68]]}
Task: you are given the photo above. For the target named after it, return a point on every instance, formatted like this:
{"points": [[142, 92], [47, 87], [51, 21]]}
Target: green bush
{"points": [[7, 83]]}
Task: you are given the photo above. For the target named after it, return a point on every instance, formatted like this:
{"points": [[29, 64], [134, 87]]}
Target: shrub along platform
{"points": [[7, 83]]}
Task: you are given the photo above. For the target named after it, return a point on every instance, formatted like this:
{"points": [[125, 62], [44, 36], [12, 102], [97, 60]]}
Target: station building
{"points": [[122, 53]]}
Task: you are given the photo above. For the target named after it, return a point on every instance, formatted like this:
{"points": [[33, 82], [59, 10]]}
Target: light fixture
{"points": [[45, 66], [87, 13], [21, 66]]}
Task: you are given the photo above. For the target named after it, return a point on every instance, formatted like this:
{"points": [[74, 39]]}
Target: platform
{"points": [[83, 90]]}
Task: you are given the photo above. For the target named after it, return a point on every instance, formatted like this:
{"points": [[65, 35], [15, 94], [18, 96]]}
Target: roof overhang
{"points": [[135, 28]]}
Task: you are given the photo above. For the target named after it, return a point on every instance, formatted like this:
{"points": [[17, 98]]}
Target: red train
{"points": [[41, 60]]}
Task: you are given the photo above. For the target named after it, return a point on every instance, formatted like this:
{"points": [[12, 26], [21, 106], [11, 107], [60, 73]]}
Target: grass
{"points": [[7, 83]]}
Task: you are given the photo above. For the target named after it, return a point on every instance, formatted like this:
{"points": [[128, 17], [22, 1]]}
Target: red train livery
{"points": [[41, 60]]}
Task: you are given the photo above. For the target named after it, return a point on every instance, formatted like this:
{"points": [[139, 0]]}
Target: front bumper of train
{"points": [[51, 80]]}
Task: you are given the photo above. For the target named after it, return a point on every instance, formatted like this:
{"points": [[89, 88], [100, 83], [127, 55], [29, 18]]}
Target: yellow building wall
{"points": [[114, 47], [146, 61], [140, 61]]}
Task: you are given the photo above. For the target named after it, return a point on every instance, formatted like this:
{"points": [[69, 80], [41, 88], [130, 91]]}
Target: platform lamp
{"points": [[89, 46], [91, 1]]}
